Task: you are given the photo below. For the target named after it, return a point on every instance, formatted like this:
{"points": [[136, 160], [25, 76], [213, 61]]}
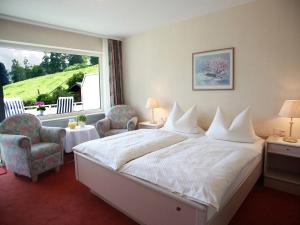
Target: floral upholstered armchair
{"points": [[30, 149], [120, 118]]}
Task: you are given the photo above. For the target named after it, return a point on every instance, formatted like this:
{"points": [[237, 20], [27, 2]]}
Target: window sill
{"points": [[52, 117]]}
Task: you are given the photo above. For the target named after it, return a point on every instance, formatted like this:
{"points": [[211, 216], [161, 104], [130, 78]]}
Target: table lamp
{"points": [[291, 109], [152, 103]]}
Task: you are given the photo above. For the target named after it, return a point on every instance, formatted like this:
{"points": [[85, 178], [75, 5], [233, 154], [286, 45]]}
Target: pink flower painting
{"points": [[213, 70]]}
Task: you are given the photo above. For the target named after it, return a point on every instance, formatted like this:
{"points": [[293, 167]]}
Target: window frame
{"points": [[45, 48]]}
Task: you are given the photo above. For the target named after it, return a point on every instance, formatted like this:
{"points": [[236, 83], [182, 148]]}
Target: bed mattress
{"points": [[115, 151], [220, 168], [237, 182]]}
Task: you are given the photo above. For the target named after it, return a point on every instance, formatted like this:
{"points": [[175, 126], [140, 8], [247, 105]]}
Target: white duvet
{"points": [[200, 169], [114, 151]]}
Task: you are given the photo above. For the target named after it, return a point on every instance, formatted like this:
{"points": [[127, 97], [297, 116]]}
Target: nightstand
{"points": [[148, 125], [282, 165]]}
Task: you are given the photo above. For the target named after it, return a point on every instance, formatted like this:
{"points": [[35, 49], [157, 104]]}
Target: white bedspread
{"points": [[200, 169], [114, 151]]}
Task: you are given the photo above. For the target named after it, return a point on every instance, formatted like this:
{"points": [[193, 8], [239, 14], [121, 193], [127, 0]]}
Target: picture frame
{"points": [[213, 70]]}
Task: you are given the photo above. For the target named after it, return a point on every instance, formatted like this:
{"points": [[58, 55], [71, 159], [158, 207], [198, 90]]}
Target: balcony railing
{"points": [[52, 108]]}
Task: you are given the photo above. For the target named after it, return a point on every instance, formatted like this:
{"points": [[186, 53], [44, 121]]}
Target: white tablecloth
{"points": [[79, 135]]}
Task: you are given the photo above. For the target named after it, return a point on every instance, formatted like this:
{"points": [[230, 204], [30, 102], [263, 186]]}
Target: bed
{"points": [[114, 151], [150, 203]]}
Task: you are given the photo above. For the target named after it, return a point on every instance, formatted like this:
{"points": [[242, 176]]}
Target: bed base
{"points": [[149, 204]]}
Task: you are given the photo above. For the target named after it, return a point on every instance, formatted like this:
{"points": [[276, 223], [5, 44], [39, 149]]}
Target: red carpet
{"points": [[2, 170], [58, 199], [265, 206]]}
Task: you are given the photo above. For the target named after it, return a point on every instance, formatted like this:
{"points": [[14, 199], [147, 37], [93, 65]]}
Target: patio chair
{"points": [[120, 118], [29, 148], [13, 106], [65, 105]]}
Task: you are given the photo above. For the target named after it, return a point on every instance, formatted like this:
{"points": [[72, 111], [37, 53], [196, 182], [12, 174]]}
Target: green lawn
{"points": [[28, 89]]}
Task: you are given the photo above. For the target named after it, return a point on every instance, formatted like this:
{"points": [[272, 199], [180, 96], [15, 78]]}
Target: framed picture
{"points": [[213, 70]]}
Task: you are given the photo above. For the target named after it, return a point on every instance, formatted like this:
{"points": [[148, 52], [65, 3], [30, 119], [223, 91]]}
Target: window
{"points": [[60, 83]]}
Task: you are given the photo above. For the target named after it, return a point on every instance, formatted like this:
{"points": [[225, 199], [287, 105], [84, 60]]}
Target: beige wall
{"points": [[31, 34], [266, 38]]}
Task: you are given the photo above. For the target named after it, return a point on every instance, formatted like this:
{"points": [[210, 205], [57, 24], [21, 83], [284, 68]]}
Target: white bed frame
{"points": [[149, 204]]}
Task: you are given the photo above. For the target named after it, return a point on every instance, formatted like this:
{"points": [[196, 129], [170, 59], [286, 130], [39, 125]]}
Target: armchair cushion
{"points": [[52, 134], [42, 150], [22, 124], [119, 116]]}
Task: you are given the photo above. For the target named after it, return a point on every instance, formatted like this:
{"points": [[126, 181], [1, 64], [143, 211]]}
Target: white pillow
{"points": [[239, 130], [184, 122]]}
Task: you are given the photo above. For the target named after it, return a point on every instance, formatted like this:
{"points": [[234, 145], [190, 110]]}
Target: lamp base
{"points": [[290, 139]]}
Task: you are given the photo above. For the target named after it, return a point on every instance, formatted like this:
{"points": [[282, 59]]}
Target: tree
{"points": [[94, 60], [37, 70], [4, 76], [75, 59], [219, 65], [27, 69], [55, 62], [17, 72], [45, 64]]}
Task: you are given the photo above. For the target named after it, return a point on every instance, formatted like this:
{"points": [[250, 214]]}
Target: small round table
{"points": [[79, 135]]}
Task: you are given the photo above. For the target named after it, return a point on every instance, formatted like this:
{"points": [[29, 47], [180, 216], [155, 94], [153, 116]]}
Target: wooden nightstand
{"points": [[282, 165], [148, 125]]}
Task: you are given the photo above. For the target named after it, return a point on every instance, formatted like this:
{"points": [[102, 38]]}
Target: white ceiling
{"points": [[114, 18]]}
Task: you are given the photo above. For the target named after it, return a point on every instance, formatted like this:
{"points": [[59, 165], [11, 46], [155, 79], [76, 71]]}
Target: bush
{"points": [[46, 98], [77, 77], [51, 98], [60, 92], [76, 67], [29, 102]]}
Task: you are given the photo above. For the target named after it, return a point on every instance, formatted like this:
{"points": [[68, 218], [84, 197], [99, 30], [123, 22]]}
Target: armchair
{"points": [[120, 118], [29, 148]]}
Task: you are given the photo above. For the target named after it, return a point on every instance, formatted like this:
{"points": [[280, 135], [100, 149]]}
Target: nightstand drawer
{"points": [[284, 150]]}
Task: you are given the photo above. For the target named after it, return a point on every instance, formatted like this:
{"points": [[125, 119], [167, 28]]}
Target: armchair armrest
{"points": [[11, 140], [103, 126], [131, 124], [52, 134], [17, 153]]}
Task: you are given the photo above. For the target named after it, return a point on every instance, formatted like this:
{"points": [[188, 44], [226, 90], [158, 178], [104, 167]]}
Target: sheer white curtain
{"points": [[105, 87]]}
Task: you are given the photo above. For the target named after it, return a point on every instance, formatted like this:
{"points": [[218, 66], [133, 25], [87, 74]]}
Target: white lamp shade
{"points": [[290, 108], [152, 103]]}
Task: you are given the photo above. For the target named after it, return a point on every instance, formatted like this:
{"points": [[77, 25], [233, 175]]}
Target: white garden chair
{"points": [[65, 105], [13, 106]]}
